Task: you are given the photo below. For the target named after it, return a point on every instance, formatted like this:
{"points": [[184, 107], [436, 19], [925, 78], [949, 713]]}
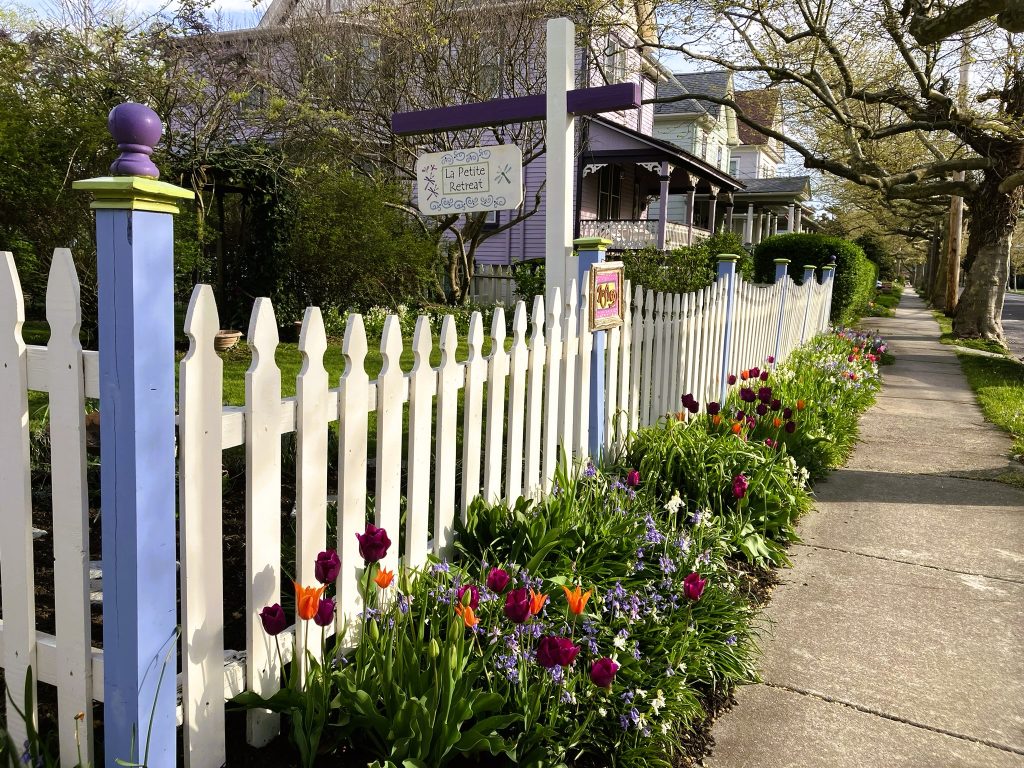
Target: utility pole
{"points": [[956, 204]]}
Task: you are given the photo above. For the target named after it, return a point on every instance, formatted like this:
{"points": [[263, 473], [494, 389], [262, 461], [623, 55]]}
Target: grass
{"points": [[985, 345], [999, 385], [885, 302]]}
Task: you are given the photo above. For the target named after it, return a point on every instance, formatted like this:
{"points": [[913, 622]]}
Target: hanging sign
{"points": [[470, 180], [606, 286]]}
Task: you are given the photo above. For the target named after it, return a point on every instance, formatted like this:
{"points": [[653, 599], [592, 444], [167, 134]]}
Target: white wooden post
{"points": [[663, 178], [560, 157], [790, 219]]}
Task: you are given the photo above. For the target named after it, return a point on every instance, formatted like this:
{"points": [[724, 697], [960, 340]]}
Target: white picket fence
{"points": [[519, 406], [493, 284]]}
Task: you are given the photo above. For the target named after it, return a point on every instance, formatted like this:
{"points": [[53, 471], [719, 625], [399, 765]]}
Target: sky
{"points": [[232, 14]]}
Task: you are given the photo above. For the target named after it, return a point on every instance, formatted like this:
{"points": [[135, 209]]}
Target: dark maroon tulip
{"points": [[373, 544], [740, 415], [732, 379], [602, 672], [324, 612], [761, 409], [755, 372], [771, 359], [714, 408], [776, 404], [328, 566], [740, 485], [791, 427], [764, 394], [787, 413], [633, 478], [497, 580], [517, 605], [764, 376], [556, 651], [747, 395], [769, 442], [474, 596], [693, 586], [751, 422], [274, 620]]}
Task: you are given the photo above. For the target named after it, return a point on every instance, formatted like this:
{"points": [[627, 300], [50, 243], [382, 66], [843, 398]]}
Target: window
{"points": [[492, 68], [703, 145], [734, 166], [492, 219], [720, 153], [614, 60], [608, 193]]}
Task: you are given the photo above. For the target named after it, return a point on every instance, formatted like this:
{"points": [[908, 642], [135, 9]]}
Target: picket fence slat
{"points": [[625, 351], [646, 389], [637, 345], [70, 508], [311, 396], [17, 571], [567, 378], [553, 366], [448, 373], [388, 489], [534, 402], [519, 358], [497, 372], [473, 411], [611, 387], [422, 383], [200, 393], [352, 402], [585, 348]]}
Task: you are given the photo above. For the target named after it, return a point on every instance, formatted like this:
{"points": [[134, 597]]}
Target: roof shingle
{"points": [[714, 83]]}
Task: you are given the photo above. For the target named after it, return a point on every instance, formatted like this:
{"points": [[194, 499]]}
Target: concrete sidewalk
{"points": [[898, 635]]}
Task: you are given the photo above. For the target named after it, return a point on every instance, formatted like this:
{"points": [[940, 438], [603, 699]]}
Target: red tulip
{"points": [[693, 586]]}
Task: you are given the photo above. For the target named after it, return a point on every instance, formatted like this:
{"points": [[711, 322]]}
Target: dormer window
{"points": [[614, 60]]}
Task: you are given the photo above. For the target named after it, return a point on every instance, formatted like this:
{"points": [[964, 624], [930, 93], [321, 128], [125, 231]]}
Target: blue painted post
{"points": [[781, 265], [808, 278], [727, 271], [135, 249], [828, 276], [591, 251]]}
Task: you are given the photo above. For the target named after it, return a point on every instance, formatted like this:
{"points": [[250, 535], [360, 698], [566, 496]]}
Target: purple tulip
{"points": [[517, 605], [787, 413], [556, 651], [328, 566], [373, 544], [791, 427], [602, 672], [324, 612], [776, 404], [274, 620], [732, 379], [473, 601], [714, 408], [497, 580], [740, 485], [771, 359], [764, 376], [769, 442], [633, 478], [761, 409], [755, 372], [693, 586], [764, 394], [747, 395]]}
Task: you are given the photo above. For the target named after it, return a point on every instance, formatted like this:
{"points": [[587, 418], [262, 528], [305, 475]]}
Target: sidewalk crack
{"points": [[1008, 579], [894, 718]]}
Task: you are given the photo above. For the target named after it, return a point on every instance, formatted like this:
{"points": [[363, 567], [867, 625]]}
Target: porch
{"points": [[628, 234]]}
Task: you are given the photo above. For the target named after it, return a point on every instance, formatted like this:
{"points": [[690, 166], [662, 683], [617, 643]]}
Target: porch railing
{"points": [[640, 233]]}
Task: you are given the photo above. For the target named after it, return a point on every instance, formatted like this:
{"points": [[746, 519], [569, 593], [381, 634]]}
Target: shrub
{"points": [[854, 279], [687, 269]]}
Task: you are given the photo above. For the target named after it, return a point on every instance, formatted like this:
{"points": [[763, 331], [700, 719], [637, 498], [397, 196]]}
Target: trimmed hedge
{"points": [[855, 274], [684, 269]]}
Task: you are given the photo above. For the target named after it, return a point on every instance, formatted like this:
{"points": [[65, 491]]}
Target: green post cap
{"points": [[811, 267], [780, 261], [591, 243], [828, 266], [728, 257], [134, 193]]}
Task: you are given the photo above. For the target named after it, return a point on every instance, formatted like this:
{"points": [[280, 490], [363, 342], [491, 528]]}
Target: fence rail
{"points": [[492, 425], [493, 284]]}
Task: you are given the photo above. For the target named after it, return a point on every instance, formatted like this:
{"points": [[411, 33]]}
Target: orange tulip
{"points": [[800, 405], [736, 428], [307, 600], [537, 601], [384, 577], [577, 599], [467, 615], [744, 375], [716, 419], [776, 422], [680, 416]]}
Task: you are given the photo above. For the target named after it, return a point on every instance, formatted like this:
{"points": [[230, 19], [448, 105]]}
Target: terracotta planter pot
{"points": [[225, 340]]}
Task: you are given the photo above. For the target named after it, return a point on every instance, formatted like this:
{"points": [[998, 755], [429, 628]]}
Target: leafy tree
{"points": [[869, 88]]}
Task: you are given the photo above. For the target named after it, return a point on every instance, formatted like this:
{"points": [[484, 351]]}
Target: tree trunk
{"points": [[937, 289], [993, 218]]}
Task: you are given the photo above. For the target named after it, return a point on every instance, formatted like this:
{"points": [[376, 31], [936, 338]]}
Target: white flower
{"points": [[619, 642], [658, 702], [641, 693], [664, 727], [673, 504], [602, 711]]}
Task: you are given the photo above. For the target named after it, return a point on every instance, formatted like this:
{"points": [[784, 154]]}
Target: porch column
{"points": [[663, 177], [759, 228], [773, 224], [799, 223], [791, 220], [748, 226], [712, 205], [728, 217], [689, 214]]}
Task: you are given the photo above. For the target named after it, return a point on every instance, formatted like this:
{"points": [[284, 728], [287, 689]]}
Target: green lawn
{"points": [[999, 385], [985, 345]]}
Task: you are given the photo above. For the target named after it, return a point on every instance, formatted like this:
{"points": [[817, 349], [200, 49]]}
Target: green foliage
{"points": [[353, 247], [854, 279], [878, 253], [684, 269], [530, 280], [999, 384]]}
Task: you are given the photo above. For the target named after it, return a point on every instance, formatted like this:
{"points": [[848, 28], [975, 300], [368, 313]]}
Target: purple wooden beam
{"points": [[583, 101]]}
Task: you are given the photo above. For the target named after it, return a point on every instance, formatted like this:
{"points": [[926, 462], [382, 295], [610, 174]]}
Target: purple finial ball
{"points": [[136, 128]]}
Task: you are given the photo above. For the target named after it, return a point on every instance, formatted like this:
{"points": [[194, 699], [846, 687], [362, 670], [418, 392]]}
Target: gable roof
{"points": [[761, 106], [714, 83], [794, 188]]}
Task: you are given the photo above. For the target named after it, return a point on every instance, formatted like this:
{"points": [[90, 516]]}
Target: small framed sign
{"points": [[606, 286]]}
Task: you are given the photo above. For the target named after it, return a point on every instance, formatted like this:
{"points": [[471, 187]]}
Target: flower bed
{"points": [[593, 627]]}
